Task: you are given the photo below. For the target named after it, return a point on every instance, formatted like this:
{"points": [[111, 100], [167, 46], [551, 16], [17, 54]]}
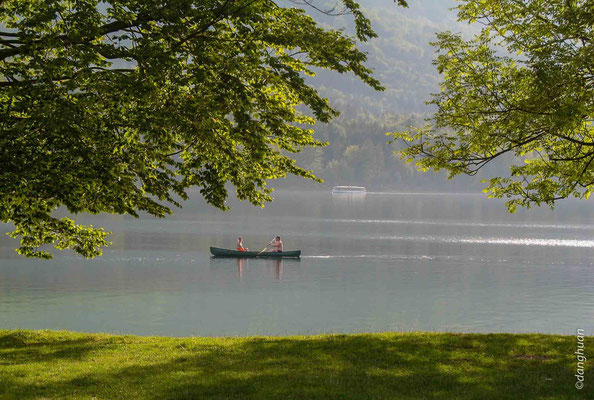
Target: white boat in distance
{"points": [[349, 190]]}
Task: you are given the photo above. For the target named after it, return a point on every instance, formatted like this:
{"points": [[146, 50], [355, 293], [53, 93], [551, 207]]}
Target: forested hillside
{"points": [[401, 57], [358, 154]]}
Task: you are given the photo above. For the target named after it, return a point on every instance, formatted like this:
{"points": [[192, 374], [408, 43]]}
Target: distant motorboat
{"points": [[358, 190]]}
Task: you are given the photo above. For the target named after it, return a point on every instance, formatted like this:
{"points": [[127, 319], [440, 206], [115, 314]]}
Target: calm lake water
{"points": [[402, 262]]}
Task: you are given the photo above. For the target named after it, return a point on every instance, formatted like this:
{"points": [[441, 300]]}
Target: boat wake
{"points": [[381, 256], [493, 240], [442, 258]]}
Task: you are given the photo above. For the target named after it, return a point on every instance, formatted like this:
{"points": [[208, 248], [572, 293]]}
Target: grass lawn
{"points": [[418, 365]]}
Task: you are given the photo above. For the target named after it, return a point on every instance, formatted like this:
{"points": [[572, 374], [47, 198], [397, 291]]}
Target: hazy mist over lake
{"points": [[380, 262]]}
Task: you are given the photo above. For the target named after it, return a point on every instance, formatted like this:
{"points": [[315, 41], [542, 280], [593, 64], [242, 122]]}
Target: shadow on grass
{"points": [[18, 347], [384, 366]]}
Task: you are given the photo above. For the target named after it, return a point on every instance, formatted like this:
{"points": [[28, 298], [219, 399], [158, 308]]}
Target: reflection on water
{"points": [[373, 263], [276, 264], [240, 266]]}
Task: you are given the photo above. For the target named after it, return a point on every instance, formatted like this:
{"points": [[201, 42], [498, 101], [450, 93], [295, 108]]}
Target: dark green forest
{"points": [[359, 154], [402, 59]]}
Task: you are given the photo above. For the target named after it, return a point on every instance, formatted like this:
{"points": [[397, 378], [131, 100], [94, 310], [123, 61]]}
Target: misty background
{"points": [[402, 59]]}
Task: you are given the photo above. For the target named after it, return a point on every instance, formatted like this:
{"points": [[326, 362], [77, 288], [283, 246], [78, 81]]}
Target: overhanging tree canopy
{"points": [[119, 106], [523, 86]]}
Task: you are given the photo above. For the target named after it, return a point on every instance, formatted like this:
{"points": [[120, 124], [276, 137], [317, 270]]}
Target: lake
{"points": [[382, 262]]}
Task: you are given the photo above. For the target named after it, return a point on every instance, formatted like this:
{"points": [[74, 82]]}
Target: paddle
{"points": [[266, 246]]}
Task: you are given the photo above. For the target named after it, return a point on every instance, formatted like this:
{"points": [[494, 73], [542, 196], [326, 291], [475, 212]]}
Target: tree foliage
{"points": [[121, 106], [522, 86]]}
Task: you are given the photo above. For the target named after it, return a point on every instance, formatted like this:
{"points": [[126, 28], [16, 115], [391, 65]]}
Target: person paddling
{"points": [[276, 244], [240, 245]]}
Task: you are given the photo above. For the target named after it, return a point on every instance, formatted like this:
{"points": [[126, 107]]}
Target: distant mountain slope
{"points": [[401, 56], [402, 59]]}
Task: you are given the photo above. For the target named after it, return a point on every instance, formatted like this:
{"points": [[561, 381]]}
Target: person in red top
{"points": [[240, 245]]}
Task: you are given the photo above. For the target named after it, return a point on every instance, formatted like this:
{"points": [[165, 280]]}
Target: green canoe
{"points": [[217, 252]]}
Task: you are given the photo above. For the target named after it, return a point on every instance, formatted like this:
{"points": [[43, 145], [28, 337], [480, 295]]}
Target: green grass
{"points": [[50, 364]]}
